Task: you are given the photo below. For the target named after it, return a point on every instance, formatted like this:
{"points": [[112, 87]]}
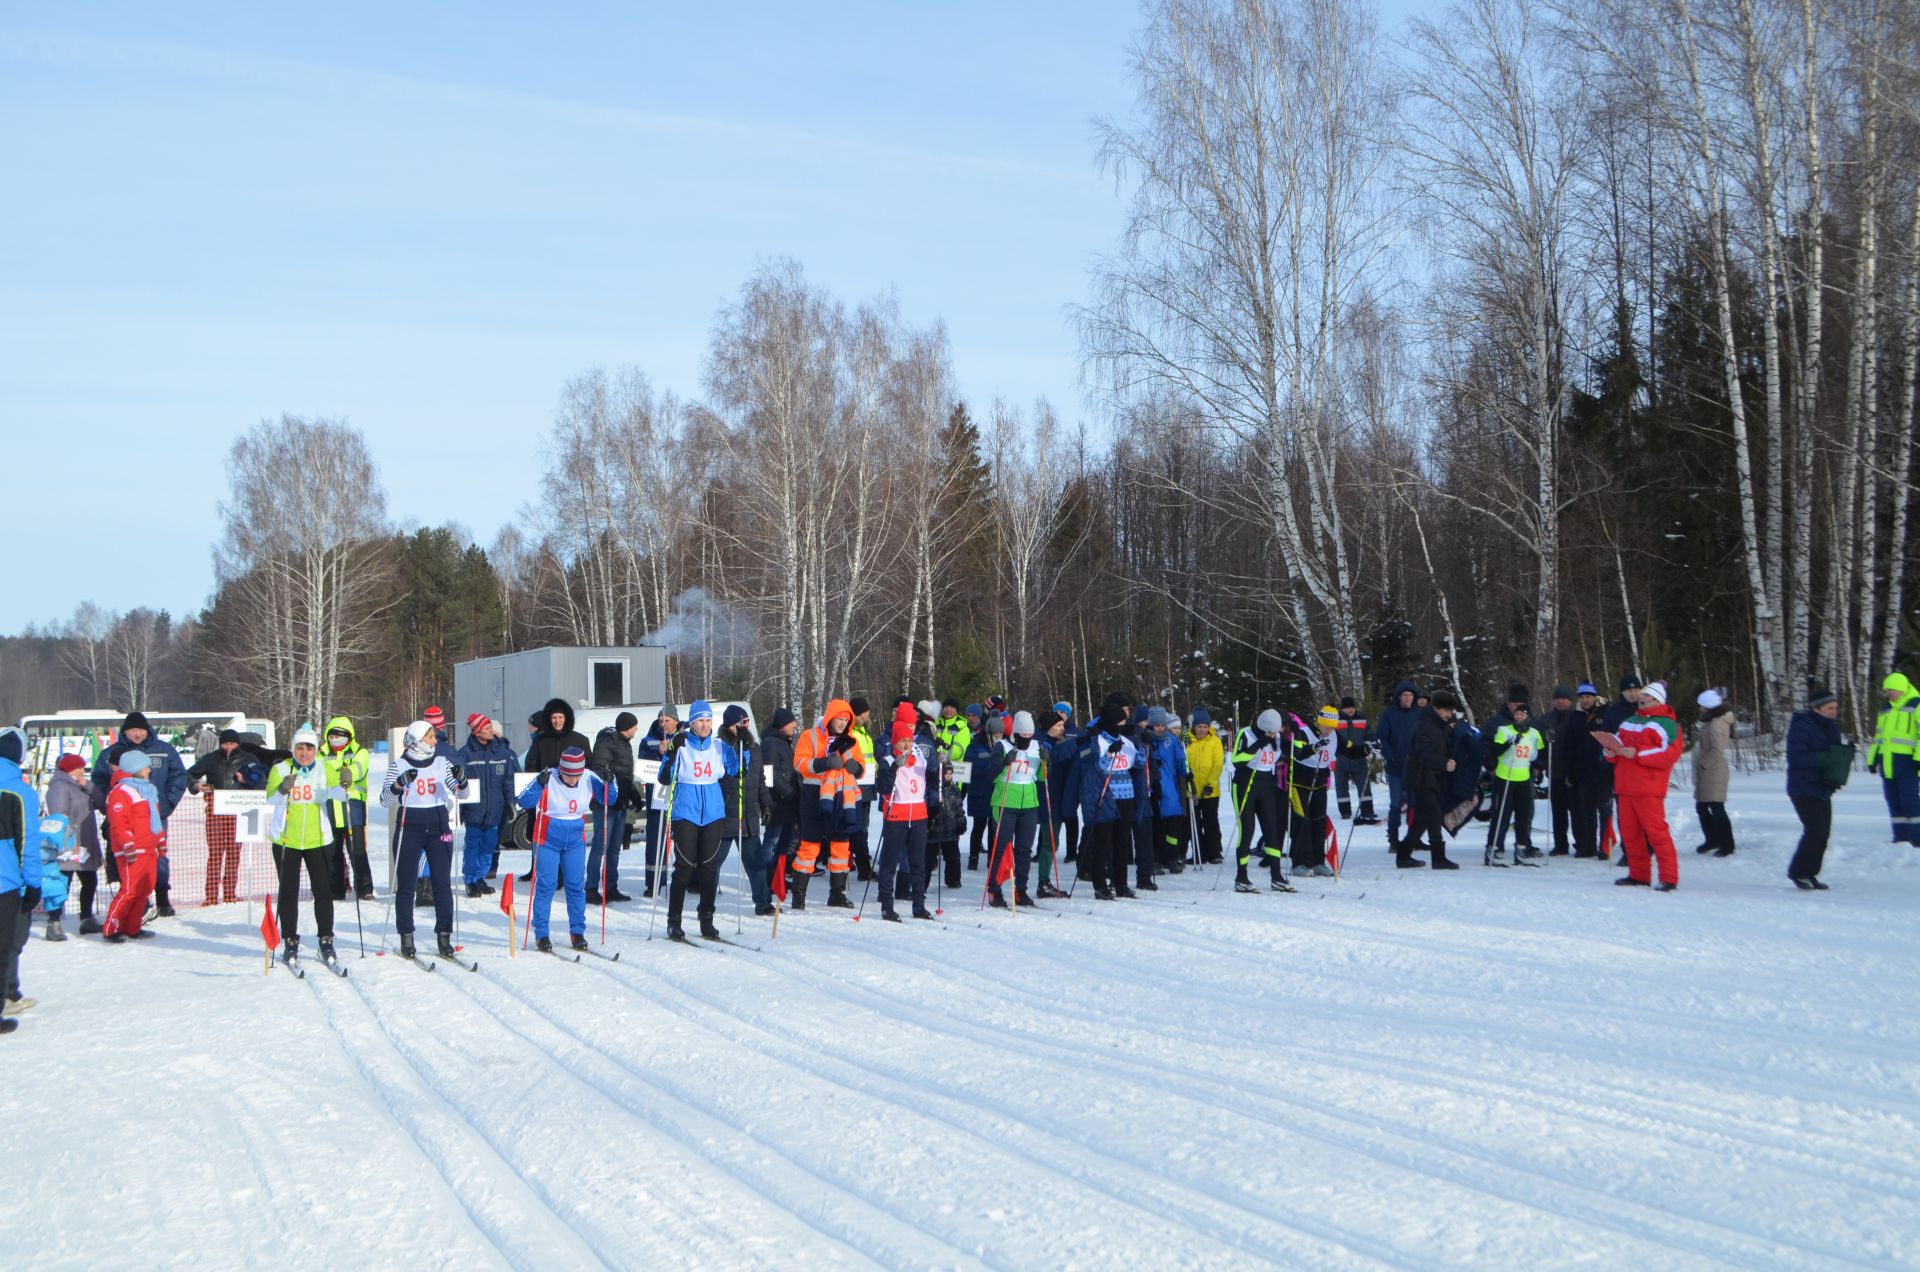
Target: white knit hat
{"points": [[1657, 691], [305, 734], [1710, 699], [1023, 724]]}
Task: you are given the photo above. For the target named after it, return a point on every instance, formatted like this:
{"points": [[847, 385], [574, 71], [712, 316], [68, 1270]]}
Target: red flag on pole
{"points": [[1333, 846], [777, 881], [269, 927], [1004, 871], [506, 895]]}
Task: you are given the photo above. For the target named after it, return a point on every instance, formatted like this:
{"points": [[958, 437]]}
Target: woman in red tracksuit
{"points": [[137, 837], [1650, 745]]}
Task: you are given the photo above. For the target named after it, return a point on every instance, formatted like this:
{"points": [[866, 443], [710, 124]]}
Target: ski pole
{"points": [[993, 851], [601, 838], [740, 829], [393, 881], [666, 859]]}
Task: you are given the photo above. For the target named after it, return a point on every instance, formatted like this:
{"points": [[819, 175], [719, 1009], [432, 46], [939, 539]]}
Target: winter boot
{"points": [[837, 892], [475, 890], [162, 906], [1628, 881], [1146, 885], [1323, 871], [1125, 893], [708, 932], [290, 948], [676, 934], [1403, 859], [55, 932], [593, 896], [973, 861], [1440, 861], [889, 915], [90, 926], [8, 1024], [1723, 852], [579, 940], [1528, 853], [613, 894], [1102, 893], [486, 889], [1559, 852], [326, 950], [1047, 892], [1244, 885], [797, 890], [543, 945], [446, 944], [406, 945], [996, 900], [921, 912], [1020, 897], [1666, 886]]}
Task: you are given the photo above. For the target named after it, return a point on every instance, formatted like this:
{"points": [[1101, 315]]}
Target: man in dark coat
{"points": [[1425, 776], [783, 796], [745, 798], [553, 737], [612, 759], [169, 777], [653, 747], [1552, 768], [1395, 734], [1584, 769]]}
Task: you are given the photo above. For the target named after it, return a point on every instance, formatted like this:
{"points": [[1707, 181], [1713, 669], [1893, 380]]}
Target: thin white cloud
{"points": [[62, 49]]}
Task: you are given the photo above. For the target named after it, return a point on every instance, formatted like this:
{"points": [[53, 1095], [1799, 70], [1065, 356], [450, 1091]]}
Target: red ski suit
{"points": [[1640, 791], [138, 846]]}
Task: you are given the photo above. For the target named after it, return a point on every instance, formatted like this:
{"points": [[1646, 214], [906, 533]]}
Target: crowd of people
{"points": [[1132, 793]]}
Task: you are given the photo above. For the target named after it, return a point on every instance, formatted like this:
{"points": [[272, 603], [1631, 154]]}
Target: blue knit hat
{"points": [[1586, 686], [1202, 716], [135, 761], [973, 708], [1064, 709], [701, 710]]}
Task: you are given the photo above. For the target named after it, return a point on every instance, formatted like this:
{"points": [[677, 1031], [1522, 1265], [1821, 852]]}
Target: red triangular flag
{"points": [[506, 895], [1333, 845], [269, 927], [778, 879], [1004, 871]]}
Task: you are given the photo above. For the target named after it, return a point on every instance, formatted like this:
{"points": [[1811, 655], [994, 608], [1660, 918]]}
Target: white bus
{"points": [[89, 731]]}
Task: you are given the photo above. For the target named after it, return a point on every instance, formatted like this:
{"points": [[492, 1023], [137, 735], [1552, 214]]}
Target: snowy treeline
{"points": [[1534, 339]]}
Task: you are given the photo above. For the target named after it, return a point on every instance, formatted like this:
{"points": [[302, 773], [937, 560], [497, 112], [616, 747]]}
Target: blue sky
{"points": [[426, 223]]}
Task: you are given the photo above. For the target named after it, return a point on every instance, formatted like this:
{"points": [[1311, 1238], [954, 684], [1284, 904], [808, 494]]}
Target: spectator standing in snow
{"points": [[137, 835], [653, 747], [348, 764], [1352, 764], [1396, 739], [783, 807], [1206, 760], [1586, 769], [1813, 740], [980, 802], [1712, 771], [67, 797], [169, 780], [829, 761], [612, 762], [1057, 751], [1554, 768], [906, 783], [1649, 746], [743, 793], [862, 850], [220, 769], [20, 866], [1895, 756], [1172, 787], [488, 763], [1424, 781]]}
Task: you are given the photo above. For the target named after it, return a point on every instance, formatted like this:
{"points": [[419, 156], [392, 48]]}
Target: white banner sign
{"points": [[252, 813]]}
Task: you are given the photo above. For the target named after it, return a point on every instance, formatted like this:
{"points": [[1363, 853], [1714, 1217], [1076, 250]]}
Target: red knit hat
{"points": [[474, 721], [435, 717], [902, 732], [70, 763], [573, 762]]}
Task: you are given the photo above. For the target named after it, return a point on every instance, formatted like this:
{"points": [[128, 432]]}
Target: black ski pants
{"points": [[696, 863], [319, 864], [1816, 823]]}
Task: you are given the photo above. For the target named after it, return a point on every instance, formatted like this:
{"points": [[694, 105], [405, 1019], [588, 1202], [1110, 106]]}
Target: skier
{"points": [[1395, 737], [695, 764], [302, 834], [907, 785], [1643, 758], [1104, 773], [169, 783], [347, 764], [783, 809], [1516, 745], [653, 747], [1554, 768], [1016, 766], [1310, 761], [1352, 764], [1815, 750], [1057, 752], [830, 763], [612, 762], [20, 865], [1206, 761], [564, 799], [66, 797], [1172, 787], [1258, 798], [1712, 744], [423, 785], [1896, 738], [1427, 767], [980, 801], [137, 833]]}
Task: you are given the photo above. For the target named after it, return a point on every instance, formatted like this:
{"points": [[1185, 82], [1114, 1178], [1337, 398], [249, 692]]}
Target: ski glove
{"points": [[830, 763], [459, 773], [840, 745], [1116, 746], [405, 780], [286, 784]]}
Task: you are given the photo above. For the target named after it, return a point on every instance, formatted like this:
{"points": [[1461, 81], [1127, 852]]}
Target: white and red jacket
{"points": [[1654, 734]]}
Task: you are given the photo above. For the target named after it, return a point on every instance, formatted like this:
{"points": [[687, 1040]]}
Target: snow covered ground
{"points": [[1513, 1068]]}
